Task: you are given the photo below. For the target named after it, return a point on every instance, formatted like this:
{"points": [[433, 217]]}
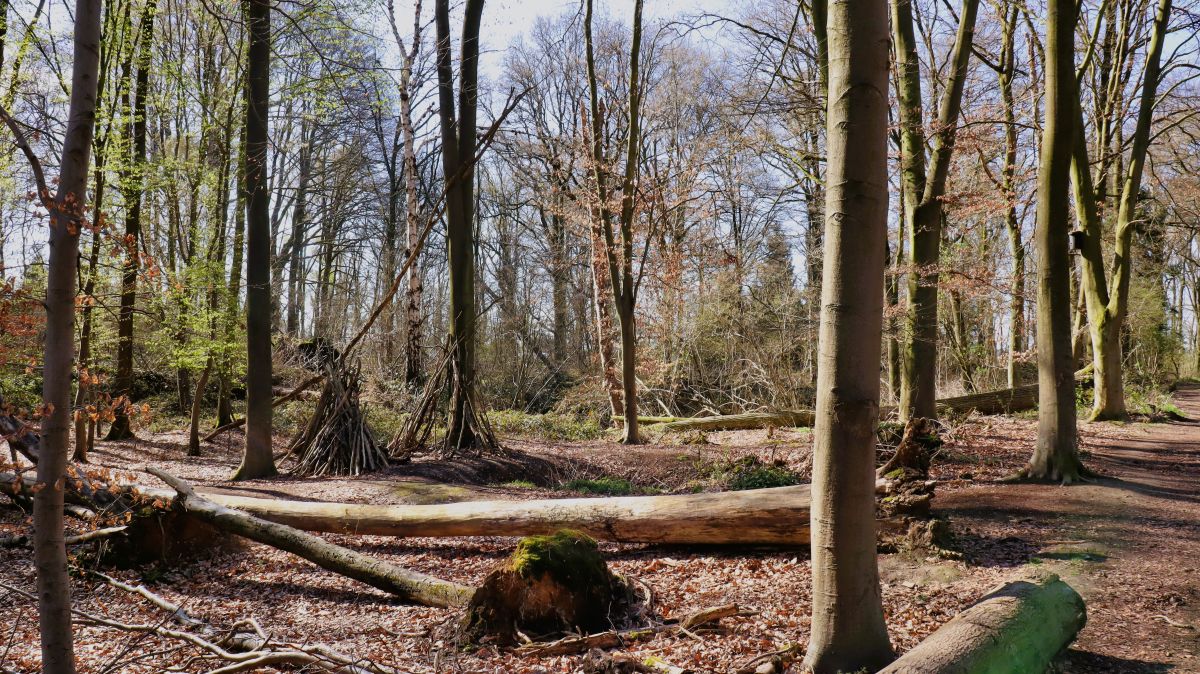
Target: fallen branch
{"points": [[617, 638], [245, 651], [405, 583]]}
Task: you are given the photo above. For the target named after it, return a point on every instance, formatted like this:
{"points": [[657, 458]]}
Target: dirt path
{"points": [[1130, 543]]}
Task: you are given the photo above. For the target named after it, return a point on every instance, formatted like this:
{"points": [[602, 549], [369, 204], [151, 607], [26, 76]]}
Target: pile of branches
{"points": [[336, 440], [429, 412]]}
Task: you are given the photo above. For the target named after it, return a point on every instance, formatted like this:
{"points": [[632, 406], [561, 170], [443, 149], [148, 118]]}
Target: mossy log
{"points": [[1016, 629], [404, 583]]}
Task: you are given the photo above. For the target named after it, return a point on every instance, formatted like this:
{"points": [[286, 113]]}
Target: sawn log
{"points": [[1016, 629]]}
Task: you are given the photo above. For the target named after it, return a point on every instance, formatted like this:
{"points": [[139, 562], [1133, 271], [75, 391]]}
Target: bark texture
{"points": [[1056, 455], [848, 630], [66, 219], [257, 459]]}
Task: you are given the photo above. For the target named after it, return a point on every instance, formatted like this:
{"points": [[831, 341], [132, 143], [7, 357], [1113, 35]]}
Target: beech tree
{"points": [[257, 457], [1056, 455], [617, 254], [459, 136], [924, 188], [848, 629]]}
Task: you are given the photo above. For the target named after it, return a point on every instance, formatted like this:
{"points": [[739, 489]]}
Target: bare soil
{"points": [[1129, 542]]}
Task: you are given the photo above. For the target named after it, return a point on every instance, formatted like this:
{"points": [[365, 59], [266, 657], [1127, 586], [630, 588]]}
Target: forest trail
{"points": [[1129, 542]]}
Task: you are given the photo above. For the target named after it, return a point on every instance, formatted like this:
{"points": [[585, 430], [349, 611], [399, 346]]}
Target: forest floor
{"points": [[1129, 542]]}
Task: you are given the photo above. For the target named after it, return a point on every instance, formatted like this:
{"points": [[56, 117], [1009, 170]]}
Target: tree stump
{"points": [[550, 584]]}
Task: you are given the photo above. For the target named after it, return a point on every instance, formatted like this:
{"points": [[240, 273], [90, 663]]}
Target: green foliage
{"points": [[518, 484], [606, 485], [749, 472], [548, 426]]}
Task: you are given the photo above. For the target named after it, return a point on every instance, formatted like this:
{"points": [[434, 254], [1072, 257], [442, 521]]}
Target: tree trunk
{"points": [[224, 404], [197, 400], [1017, 628], [776, 516], [299, 231], [1056, 455], [66, 219], [848, 630], [1107, 310], [923, 199], [604, 322], [257, 459], [458, 159], [83, 391], [120, 428], [620, 270], [406, 584]]}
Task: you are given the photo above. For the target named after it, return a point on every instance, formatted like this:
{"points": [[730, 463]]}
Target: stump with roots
{"points": [[551, 584], [336, 440], [908, 492]]}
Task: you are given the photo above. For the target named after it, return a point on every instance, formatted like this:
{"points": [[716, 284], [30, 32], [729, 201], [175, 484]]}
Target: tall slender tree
{"points": [[459, 136], [257, 458], [848, 629], [67, 210], [1056, 455], [924, 188], [134, 185], [619, 261]]}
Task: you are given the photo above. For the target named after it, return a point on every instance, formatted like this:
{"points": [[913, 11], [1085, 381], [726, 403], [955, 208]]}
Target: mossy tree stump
{"points": [[550, 584]]}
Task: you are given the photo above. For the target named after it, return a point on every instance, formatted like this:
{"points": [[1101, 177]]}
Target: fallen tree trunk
{"points": [[734, 422], [1004, 401], [1016, 629], [776, 516], [759, 516], [410, 585]]}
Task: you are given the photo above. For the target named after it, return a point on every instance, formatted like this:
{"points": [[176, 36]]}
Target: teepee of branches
{"points": [[336, 440]]}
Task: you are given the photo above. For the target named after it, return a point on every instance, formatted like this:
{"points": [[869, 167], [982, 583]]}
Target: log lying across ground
{"points": [[407, 584], [1004, 401], [777, 516], [1016, 629], [735, 422]]}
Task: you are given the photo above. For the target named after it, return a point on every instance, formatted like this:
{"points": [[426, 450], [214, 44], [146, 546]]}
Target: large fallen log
{"points": [[760, 516], [407, 584], [776, 516], [1004, 401], [735, 422], [1016, 629]]}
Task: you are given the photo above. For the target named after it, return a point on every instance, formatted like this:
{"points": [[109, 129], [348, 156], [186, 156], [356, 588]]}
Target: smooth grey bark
{"points": [[1056, 455], [848, 630]]}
